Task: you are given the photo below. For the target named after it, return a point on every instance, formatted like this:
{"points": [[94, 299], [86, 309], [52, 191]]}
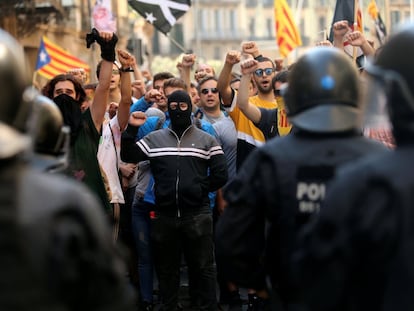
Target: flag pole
{"points": [[176, 43], [354, 49]]}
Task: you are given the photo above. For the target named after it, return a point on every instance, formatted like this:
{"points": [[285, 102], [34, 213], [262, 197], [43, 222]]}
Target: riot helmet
{"points": [[322, 92], [392, 76], [50, 135], [15, 99], [14, 110]]}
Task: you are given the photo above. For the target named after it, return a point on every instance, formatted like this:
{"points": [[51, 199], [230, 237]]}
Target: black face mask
{"points": [[180, 120], [71, 114]]}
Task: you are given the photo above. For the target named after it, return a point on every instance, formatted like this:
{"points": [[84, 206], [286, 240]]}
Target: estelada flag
{"points": [[163, 14], [53, 60], [287, 33]]}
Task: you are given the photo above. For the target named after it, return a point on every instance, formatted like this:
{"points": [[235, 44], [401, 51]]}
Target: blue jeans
{"points": [[141, 229]]}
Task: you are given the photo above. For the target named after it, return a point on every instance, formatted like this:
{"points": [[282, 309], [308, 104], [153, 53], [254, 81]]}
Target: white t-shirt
{"points": [[109, 157]]}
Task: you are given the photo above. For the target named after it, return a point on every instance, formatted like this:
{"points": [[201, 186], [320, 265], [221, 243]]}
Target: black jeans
{"points": [[193, 235]]}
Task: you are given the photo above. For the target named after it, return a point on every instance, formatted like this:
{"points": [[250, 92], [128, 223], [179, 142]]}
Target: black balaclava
{"points": [[180, 120], [71, 114]]}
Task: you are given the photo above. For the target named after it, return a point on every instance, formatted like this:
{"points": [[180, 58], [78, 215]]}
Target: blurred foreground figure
{"points": [[359, 253], [282, 184], [56, 252]]}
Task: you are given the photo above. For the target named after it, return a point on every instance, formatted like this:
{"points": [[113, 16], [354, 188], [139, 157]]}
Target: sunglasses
{"points": [[213, 90], [115, 71], [260, 72]]}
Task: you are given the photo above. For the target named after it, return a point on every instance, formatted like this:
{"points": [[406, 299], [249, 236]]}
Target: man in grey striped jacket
{"points": [[187, 164]]}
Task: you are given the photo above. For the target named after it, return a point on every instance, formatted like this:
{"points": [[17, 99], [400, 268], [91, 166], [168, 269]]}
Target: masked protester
{"points": [[86, 127], [187, 164], [358, 253], [56, 250], [282, 184]]}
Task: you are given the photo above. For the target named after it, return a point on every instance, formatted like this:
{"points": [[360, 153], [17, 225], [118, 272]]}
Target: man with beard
{"points": [[86, 127], [249, 136]]}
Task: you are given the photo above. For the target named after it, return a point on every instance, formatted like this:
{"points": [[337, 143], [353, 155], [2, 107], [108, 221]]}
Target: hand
{"points": [[126, 59], [137, 118], [356, 38], [152, 95], [127, 169], [340, 28], [233, 57], [188, 60], [251, 48], [138, 88], [279, 64], [248, 66]]}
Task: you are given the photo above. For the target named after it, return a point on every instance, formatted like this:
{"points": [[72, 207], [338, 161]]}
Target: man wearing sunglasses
{"points": [[272, 122], [249, 136]]}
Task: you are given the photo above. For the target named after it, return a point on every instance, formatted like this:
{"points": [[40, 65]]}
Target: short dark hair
{"points": [[175, 82], [262, 59], [204, 80], [164, 75]]}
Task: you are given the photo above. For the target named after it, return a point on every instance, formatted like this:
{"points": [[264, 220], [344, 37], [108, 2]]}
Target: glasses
{"points": [[260, 72], [115, 71], [213, 90], [182, 105]]}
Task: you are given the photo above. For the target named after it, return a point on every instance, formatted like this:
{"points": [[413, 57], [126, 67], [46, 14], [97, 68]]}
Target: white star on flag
{"points": [[150, 17], [43, 57]]}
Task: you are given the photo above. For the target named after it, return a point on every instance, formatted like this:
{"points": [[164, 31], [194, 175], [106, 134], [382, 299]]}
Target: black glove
{"points": [[107, 47]]}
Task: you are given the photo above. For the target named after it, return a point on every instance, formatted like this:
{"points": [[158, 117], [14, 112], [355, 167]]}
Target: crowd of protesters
{"points": [[291, 182]]}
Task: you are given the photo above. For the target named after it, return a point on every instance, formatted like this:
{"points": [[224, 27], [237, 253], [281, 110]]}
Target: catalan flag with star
{"points": [[287, 33], [53, 60]]}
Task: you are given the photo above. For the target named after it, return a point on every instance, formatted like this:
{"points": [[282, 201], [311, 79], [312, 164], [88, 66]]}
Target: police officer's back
{"points": [[55, 248], [365, 260], [283, 183]]}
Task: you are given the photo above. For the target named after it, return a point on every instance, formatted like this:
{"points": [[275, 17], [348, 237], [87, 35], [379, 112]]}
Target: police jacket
{"points": [[275, 192], [366, 261], [56, 248], [185, 169]]}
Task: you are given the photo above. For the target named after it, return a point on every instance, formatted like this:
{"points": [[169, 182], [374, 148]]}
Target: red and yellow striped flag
{"points": [[287, 33], [53, 60]]}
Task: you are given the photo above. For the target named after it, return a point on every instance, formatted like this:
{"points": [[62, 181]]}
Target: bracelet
{"points": [[129, 69]]}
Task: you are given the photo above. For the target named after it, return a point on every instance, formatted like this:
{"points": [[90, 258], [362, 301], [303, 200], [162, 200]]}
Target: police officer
{"points": [[282, 184], [359, 254], [56, 250]]}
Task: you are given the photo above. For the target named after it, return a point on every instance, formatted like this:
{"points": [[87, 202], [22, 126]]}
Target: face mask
{"points": [[71, 113], [180, 119]]}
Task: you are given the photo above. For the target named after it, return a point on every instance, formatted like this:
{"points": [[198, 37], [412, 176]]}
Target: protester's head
{"points": [[195, 98], [202, 71], [180, 109], [68, 94], [392, 77], [209, 94], [173, 84], [115, 77], [14, 109], [158, 84], [264, 74], [322, 92]]}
